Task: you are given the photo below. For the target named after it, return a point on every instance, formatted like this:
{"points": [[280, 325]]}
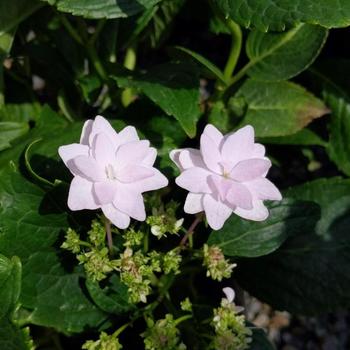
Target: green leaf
{"points": [[278, 108], [31, 223], [279, 56], [174, 87], [162, 22], [10, 284], [112, 298], [339, 131], [103, 8], [304, 137], [15, 11], [12, 337], [251, 239], [310, 273], [276, 15], [260, 340], [211, 68], [11, 131]]}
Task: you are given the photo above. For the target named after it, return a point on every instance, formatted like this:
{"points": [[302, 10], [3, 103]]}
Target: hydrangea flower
{"points": [[111, 171], [227, 175]]}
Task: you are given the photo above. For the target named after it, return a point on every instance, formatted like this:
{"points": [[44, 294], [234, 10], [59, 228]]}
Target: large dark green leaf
{"points": [[304, 137], [12, 337], [277, 14], [278, 56], [310, 273], [251, 239], [102, 8], [174, 87], [339, 133], [31, 222], [113, 298], [10, 284], [278, 108]]}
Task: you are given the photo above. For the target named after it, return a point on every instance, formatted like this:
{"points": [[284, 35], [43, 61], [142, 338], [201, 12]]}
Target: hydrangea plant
{"points": [[154, 153]]}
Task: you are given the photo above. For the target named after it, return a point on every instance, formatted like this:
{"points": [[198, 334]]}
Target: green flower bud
{"points": [[171, 261], [96, 263], [105, 342], [186, 305], [217, 266], [72, 241], [133, 238], [163, 334]]}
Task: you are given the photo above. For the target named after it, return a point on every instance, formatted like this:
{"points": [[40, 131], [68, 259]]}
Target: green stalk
{"points": [[236, 46], [71, 30], [182, 319], [129, 63], [120, 329]]}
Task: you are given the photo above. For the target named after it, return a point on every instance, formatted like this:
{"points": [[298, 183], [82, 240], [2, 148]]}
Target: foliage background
{"points": [[168, 67]]}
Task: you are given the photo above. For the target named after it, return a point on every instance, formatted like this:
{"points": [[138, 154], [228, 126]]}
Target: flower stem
{"points": [[236, 46], [120, 329], [182, 319], [109, 234], [129, 63], [190, 231]]}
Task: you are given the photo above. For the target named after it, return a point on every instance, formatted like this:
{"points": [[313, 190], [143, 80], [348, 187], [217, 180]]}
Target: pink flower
{"points": [[111, 171], [226, 175]]}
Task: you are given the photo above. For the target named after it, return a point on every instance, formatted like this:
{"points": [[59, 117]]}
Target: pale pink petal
{"points": [[258, 213], [216, 212], [239, 196], [150, 158], [89, 168], [230, 294], [190, 157], [85, 134], [250, 169], [132, 153], [157, 181], [130, 202], [80, 195], [101, 125], [210, 153], [258, 151], [214, 134], [69, 152], [174, 156], [193, 203], [119, 219], [133, 172], [220, 185], [128, 134], [103, 150], [238, 145], [104, 191], [264, 189], [194, 180]]}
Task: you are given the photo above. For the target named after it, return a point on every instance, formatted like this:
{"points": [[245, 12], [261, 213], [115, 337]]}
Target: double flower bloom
{"points": [[112, 170]]}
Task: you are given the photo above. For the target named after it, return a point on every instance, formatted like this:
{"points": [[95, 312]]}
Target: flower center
{"points": [[226, 175], [110, 172]]}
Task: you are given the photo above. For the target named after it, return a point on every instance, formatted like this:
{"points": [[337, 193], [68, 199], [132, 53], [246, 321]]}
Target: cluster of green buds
{"points": [[105, 342], [93, 253], [164, 221], [231, 332], [216, 264], [137, 270], [163, 334]]}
